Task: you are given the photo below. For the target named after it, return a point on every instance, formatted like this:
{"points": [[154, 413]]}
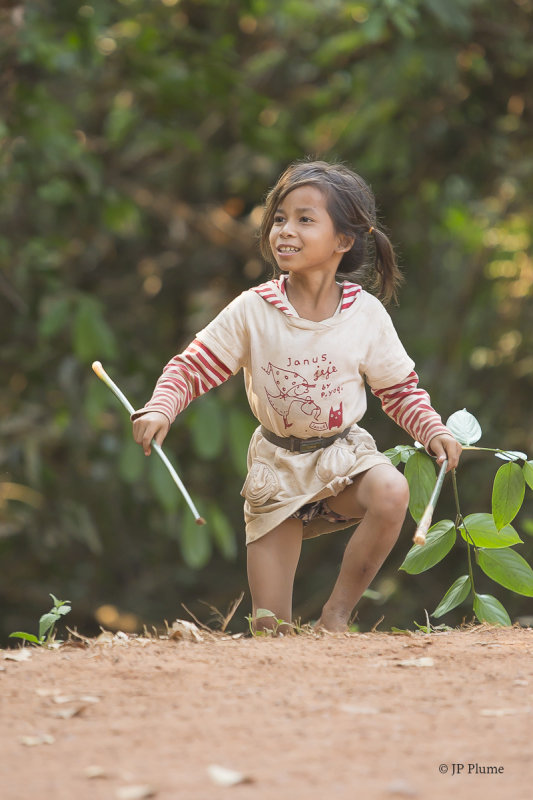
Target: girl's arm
{"points": [[410, 407], [186, 376], [217, 352]]}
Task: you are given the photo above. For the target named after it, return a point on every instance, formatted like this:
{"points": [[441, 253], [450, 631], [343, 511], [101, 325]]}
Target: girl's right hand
{"points": [[152, 425]]}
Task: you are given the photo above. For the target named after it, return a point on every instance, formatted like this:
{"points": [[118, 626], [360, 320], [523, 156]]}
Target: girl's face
{"points": [[303, 236]]}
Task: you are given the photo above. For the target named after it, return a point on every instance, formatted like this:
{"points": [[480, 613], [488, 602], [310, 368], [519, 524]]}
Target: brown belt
{"points": [[296, 445]]}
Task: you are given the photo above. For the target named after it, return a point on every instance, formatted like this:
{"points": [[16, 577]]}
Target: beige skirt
{"points": [[280, 482]]}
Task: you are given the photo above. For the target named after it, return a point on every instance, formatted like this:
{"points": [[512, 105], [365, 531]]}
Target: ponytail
{"points": [[387, 277]]}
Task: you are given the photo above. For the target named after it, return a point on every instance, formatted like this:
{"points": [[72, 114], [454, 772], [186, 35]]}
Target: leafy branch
{"points": [[489, 537]]}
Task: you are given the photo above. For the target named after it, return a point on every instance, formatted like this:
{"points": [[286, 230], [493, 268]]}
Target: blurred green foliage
{"points": [[137, 141]]}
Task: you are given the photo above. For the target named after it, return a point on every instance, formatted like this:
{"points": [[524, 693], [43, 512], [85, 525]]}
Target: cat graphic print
{"points": [[292, 395]]}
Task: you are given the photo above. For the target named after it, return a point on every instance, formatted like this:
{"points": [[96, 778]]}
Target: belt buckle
{"points": [[309, 445]]}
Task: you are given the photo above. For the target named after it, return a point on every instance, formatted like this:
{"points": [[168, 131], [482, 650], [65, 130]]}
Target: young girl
{"points": [[307, 342]]}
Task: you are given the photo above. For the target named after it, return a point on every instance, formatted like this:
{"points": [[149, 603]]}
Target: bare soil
{"points": [[373, 715]]}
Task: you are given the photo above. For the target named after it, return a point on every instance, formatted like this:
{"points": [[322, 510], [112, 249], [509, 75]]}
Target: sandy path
{"points": [[301, 717]]}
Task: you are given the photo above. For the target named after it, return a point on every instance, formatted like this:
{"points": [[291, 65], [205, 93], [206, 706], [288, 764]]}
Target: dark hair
{"points": [[352, 208]]}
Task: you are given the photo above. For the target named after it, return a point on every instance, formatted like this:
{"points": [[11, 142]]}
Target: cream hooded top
{"points": [[306, 379]]}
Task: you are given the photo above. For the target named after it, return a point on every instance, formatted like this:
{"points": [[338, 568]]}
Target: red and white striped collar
{"points": [[272, 290]]}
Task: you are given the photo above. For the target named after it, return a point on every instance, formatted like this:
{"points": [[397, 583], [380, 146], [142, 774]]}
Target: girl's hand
{"points": [[152, 425], [445, 446]]}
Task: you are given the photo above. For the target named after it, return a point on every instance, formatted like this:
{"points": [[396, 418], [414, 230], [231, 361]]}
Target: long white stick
{"points": [[102, 374], [427, 516]]}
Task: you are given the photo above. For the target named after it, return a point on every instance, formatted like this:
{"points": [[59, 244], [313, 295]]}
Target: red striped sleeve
{"points": [[410, 408], [186, 376]]}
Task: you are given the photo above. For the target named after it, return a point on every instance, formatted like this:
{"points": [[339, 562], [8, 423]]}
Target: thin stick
{"points": [[102, 374], [425, 520]]}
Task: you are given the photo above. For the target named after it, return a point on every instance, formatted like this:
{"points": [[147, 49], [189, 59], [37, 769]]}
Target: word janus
{"points": [[324, 372], [476, 769]]}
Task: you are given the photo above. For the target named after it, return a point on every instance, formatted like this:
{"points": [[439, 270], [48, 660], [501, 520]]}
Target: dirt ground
{"points": [[374, 715]]}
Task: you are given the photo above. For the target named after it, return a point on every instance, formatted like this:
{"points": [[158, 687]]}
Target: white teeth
{"points": [[287, 249]]}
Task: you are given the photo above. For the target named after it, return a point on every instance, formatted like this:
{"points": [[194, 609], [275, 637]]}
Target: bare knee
{"points": [[389, 498]]}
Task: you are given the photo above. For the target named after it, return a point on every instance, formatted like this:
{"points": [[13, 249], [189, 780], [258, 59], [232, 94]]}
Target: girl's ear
{"points": [[344, 243]]}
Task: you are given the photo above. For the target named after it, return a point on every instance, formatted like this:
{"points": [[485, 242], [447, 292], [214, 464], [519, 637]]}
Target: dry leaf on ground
{"points": [[34, 741], [68, 713], [223, 776], [135, 792], [503, 712], [94, 771], [18, 655], [424, 661], [183, 629]]}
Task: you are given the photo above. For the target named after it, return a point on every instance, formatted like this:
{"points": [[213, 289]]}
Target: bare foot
{"points": [[332, 622]]}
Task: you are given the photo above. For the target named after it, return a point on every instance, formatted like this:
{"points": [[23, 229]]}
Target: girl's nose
{"points": [[286, 229]]}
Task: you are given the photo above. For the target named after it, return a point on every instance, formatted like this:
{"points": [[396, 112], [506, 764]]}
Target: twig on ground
{"points": [[224, 620], [375, 625]]}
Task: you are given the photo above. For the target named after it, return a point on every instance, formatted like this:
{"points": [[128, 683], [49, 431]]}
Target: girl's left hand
{"points": [[445, 446]]}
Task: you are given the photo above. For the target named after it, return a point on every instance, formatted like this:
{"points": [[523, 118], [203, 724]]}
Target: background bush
{"points": [[137, 142]]}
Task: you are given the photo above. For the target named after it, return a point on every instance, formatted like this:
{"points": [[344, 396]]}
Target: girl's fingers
{"points": [[148, 431], [446, 447], [161, 435], [454, 453]]}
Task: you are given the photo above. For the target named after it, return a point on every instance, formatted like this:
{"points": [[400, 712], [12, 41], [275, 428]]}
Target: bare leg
{"points": [[272, 562], [380, 496]]}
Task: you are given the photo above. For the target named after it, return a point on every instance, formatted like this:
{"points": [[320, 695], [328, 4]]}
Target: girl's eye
{"points": [[278, 218], [305, 219]]}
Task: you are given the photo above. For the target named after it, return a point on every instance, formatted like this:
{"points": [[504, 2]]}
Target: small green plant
{"points": [[260, 614], [489, 537], [47, 624]]}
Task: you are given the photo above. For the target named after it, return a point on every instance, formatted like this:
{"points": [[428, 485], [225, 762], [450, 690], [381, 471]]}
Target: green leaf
{"points": [[406, 452], [507, 493], [64, 610], [195, 543], [207, 426], [482, 531], [420, 474], [528, 473], [393, 455], [58, 603], [488, 609], [263, 612], [458, 591], [464, 427], [29, 637], [402, 452], [47, 622], [223, 533], [439, 541], [507, 568]]}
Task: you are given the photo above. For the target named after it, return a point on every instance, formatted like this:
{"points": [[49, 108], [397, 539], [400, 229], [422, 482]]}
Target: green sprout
{"points": [[47, 624]]}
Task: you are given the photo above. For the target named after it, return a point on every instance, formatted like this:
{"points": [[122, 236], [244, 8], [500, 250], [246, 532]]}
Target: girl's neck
{"points": [[314, 297]]}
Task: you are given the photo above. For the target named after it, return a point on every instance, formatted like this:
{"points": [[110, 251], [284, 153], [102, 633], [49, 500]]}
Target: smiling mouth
{"points": [[286, 249]]}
